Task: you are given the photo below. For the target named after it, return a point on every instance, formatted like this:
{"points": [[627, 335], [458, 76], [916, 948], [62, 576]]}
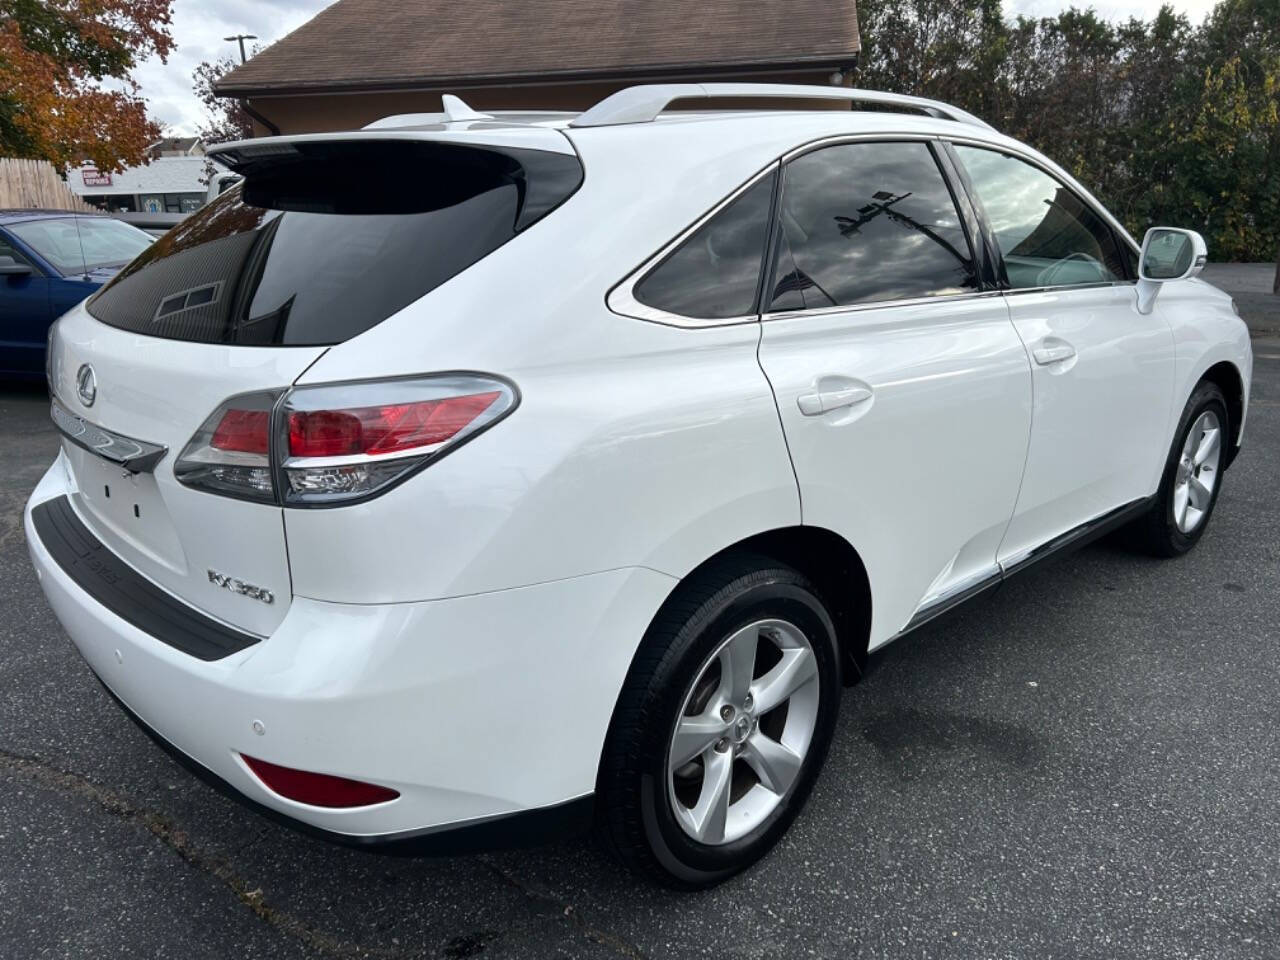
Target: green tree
{"points": [[1238, 53], [1234, 189], [1164, 122]]}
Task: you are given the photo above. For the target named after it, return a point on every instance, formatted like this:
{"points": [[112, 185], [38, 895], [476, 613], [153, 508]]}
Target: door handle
{"points": [[824, 401], [1054, 354]]}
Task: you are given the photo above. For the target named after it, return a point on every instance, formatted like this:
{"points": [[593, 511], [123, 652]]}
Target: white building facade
{"points": [[168, 184]]}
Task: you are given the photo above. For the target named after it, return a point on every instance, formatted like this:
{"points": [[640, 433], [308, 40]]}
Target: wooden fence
{"points": [[26, 184]]}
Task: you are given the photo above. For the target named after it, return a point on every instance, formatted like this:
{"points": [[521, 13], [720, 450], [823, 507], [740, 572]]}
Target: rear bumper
{"points": [[476, 709], [521, 829]]}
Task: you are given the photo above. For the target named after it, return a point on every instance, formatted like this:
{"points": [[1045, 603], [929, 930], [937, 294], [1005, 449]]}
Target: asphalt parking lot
{"points": [[1087, 765]]}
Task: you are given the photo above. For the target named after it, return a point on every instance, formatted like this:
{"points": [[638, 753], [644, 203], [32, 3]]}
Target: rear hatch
{"points": [[326, 237]]}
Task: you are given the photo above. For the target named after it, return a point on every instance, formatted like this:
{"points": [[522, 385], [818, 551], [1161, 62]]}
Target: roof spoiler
{"points": [[644, 103]]}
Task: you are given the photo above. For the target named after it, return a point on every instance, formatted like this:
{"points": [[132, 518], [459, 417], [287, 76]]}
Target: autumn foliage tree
{"points": [[66, 91], [225, 119]]}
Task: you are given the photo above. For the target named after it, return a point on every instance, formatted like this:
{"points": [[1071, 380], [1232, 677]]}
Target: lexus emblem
{"points": [[86, 384]]}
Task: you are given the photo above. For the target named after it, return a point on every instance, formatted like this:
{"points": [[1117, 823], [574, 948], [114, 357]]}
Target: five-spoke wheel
{"points": [[723, 723], [1192, 477], [743, 733], [1197, 473]]}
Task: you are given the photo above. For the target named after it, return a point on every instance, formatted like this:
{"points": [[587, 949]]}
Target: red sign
{"points": [[92, 178]]}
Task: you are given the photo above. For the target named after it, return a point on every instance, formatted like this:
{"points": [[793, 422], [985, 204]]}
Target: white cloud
{"points": [[200, 25], [1111, 9], [198, 28]]}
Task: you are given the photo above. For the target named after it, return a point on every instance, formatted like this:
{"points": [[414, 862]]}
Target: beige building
{"points": [[359, 60]]}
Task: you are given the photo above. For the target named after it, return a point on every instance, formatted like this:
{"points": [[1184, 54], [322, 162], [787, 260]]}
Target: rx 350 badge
{"points": [[240, 587]]}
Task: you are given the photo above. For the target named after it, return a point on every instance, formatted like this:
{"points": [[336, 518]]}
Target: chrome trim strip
{"points": [[1063, 287], [136, 456], [1076, 536], [621, 299], [881, 305], [933, 607], [966, 589], [883, 136]]}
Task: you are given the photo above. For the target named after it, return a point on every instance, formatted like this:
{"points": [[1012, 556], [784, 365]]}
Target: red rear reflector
{"points": [[318, 789], [243, 431], [384, 429]]}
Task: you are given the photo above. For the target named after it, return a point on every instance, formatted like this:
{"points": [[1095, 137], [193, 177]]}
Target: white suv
{"points": [[467, 479]]}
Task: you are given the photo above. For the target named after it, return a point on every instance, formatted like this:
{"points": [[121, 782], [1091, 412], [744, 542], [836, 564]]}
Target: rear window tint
{"points": [[868, 223], [318, 246], [713, 275]]}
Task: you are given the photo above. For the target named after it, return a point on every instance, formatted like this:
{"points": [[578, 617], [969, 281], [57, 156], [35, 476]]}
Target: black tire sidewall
{"points": [[784, 598]]}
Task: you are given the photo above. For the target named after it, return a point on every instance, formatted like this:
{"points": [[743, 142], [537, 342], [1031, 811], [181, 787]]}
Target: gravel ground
{"points": [[1083, 766]]}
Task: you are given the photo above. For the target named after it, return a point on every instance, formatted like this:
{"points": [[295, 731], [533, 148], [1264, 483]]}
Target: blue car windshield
{"points": [[74, 245]]}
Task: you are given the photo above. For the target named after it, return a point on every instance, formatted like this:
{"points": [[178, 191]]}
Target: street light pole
{"points": [[241, 38]]}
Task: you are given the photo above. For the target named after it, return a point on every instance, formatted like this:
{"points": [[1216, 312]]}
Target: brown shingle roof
{"points": [[388, 44]]}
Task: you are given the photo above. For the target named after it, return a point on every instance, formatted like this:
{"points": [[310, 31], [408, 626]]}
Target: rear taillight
{"points": [[243, 431], [335, 443], [231, 452], [390, 428]]}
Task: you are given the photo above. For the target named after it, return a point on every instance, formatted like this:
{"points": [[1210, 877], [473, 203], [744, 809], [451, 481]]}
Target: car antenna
{"points": [[84, 264]]}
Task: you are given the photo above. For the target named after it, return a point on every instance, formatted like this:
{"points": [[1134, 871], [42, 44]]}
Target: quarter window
{"points": [[868, 222], [714, 274], [1048, 236]]}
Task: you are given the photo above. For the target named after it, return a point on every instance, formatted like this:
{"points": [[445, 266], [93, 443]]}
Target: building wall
{"points": [[317, 113]]}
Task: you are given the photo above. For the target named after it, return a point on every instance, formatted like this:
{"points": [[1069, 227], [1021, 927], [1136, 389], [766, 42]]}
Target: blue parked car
{"points": [[50, 260]]}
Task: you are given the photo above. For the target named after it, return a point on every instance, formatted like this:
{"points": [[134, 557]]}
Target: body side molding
{"points": [[1072, 539]]}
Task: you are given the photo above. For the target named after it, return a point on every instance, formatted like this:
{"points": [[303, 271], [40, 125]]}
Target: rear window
{"points": [[329, 239]]}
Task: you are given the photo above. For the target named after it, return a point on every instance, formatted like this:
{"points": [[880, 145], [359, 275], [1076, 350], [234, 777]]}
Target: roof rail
{"points": [[641, 104]]}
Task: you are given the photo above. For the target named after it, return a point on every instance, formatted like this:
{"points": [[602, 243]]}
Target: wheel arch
{"points": [[835, 568], [1226, 376], [823, 556]]}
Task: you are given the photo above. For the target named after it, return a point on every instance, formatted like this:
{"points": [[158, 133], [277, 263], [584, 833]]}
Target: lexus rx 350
{"points": [[467, 479]]}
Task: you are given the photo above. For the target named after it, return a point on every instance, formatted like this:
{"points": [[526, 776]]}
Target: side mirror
{"points": [[1167, 254], [10, 267]]}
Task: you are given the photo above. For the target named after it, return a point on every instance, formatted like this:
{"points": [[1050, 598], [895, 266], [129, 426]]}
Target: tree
{"points": [[225, 119], [930, 48], [1239, 48], [1237, 189], [66, 90], [1164, 122]]}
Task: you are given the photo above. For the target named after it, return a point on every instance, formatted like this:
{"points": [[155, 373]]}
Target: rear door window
{"points": [[714, 274], [323, 243], [868, 223]]}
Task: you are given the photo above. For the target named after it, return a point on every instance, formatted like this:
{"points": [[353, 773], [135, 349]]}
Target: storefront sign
{"points": [[92, 178]]}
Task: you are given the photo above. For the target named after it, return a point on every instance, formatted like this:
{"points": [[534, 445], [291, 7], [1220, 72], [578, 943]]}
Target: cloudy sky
{"points": [[200, 25]]}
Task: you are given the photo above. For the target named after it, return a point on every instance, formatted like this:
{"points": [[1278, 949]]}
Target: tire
{"points": [[648, 809], [1175, 523]]}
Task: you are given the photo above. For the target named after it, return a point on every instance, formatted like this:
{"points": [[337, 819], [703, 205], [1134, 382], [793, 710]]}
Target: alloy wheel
{"points": [[1197, 472], [743, 732]]}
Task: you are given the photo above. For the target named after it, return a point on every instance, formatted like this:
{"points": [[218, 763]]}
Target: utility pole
{"points": [[241, 38]]}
